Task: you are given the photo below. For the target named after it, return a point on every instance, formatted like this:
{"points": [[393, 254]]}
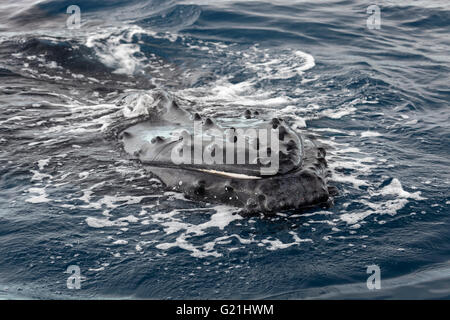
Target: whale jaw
{"points": [[300, 188]]}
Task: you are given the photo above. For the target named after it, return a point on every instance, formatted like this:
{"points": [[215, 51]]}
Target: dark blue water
{"points": [[377, 98]]}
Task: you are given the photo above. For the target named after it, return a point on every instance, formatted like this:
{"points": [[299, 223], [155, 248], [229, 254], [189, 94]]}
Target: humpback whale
{"points": [[257, 164]]}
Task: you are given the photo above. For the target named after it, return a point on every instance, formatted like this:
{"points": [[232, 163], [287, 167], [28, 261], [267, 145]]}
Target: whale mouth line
{"points": [[230, 174], [226, 174]]}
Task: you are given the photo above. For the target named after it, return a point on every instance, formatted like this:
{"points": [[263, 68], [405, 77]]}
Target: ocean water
{"points": [[378, 99]]}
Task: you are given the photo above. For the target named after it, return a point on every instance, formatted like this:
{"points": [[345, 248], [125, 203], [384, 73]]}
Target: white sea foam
{"points": [[366, 134], [386, 206], [140, 106], [106, 222], [260, 64], [39, 176], [116, 50], [119, 48], [222, 217], [395, 188], [111, 202], [334, 113], [120, 242], [40, 197], [276, 244]]}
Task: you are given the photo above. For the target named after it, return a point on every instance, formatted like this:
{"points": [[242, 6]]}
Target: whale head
{"points": [[257, 164]]}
